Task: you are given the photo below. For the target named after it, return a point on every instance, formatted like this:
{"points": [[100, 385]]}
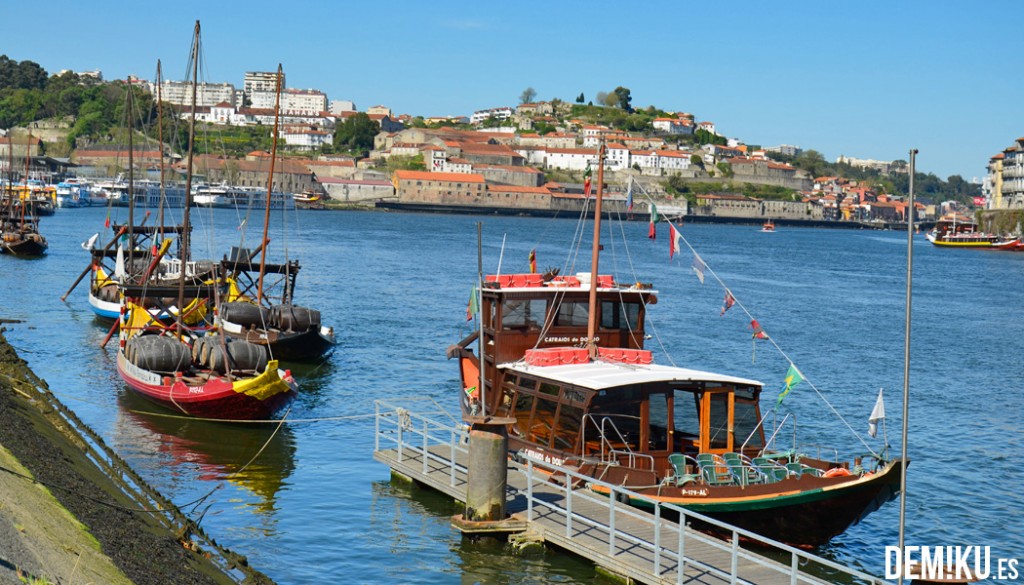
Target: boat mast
{"points": [[906, 356], [270, 187], [27, 196], [160, 146], [131, 175], [594, 253], [188, 180]]}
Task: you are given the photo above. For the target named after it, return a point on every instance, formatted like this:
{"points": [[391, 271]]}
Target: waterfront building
{"points": [[1006, 177], [439, 188]]}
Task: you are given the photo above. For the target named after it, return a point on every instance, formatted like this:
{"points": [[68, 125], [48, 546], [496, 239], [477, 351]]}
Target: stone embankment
{"points": [[73, 512]]}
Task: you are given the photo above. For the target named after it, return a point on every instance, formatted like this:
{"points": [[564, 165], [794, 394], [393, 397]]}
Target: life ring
{"points": [[837, 472]]}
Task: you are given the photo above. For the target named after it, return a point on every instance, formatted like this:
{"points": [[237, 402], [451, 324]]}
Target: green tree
{"points": [[528, 95], [623, 98], [356, 134]]}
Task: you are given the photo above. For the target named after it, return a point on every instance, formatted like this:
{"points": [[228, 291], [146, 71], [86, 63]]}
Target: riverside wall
{"points": [[72, 506]]}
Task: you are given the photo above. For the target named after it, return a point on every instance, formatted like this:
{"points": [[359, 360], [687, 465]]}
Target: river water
{"points": [[315, 505]]}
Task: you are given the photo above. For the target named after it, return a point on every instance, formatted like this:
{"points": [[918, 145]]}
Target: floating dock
{"points": [[420, 441]]}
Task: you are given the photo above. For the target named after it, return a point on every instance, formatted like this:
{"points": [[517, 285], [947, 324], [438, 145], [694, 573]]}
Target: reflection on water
{"points": [[257, 458]]}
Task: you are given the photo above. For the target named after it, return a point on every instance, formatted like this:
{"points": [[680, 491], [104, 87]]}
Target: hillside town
{"points": [[526, 159]]}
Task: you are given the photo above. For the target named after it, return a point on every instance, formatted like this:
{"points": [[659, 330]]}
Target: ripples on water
{"points": [[395, 287]]}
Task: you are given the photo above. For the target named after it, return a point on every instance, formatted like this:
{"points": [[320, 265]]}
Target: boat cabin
{"points": [[521, 312], [621, 408]]}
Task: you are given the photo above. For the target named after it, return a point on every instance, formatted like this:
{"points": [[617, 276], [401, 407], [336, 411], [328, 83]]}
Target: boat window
{"points": [[543, 421], [746, 418], [508, 394], [719, 421], [522, 313], [549, 389], [527, 383], [657, 422], [572, 314], [686, 413], [568, 430], [524, 406], [618, 419], [615, 315]]}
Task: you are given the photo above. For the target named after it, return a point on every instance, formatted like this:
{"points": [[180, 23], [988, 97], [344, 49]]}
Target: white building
{"points": [[573, 159], [340, 106], [261, 81], [305, 138], [479, 116], [673, 125], [207, 94]]}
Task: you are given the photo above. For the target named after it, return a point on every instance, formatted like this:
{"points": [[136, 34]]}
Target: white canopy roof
{"points": [[599, 375]]}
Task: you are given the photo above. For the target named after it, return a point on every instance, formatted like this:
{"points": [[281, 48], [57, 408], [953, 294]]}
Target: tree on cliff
{"points": [[623, 98], [356, 134]]}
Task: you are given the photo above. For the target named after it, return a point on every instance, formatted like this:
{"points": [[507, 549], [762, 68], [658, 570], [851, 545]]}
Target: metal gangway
{"points": [[421, 441]]}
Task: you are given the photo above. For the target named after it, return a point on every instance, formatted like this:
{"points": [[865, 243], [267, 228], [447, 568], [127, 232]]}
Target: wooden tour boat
{"points": [[956, 230], [563, 357], [768, 226]]}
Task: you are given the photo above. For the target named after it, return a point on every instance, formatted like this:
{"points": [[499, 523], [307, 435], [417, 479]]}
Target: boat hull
{"points": [[27, 247], [290, 347], [257, 398], [804, 517]]}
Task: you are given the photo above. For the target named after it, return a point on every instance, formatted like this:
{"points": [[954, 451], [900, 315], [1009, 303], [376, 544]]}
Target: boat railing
{"points": [[420, 429], [769, 445], [613, 444], [819, 450], [633, 459]]}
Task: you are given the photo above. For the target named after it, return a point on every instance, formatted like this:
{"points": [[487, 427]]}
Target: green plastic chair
{"points": [[743, 469], [679, 463], [772, 471], [714, 470]]}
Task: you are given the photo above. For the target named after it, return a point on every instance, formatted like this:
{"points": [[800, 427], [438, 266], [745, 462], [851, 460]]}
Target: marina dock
{"points": [[420, 441]]}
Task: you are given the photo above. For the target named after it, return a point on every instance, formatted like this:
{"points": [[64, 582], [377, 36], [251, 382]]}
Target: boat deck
{"points": [[622, 539]]}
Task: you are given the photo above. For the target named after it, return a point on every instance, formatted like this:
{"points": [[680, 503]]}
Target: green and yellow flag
{"points": [[793, 377], [473, 307]]}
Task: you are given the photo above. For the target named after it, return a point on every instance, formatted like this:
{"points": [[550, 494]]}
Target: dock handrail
{"points": [[394, 423]]}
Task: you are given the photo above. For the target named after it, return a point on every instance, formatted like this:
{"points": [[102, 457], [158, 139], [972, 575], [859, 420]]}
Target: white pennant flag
{"points": [[698, 267], [88, 244], [119, 270], [877, 414]]}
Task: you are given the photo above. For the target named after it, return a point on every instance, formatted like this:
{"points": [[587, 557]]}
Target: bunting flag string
{"points": [[698, 267], [533, 261], [629, 196], [586, 181], [673, 241], [794, 376], [728, 303]]}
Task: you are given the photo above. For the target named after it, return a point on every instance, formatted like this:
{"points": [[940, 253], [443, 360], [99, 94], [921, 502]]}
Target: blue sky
{"points": [[864, 79]]}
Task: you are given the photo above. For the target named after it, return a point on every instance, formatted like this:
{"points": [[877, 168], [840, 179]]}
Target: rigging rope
{"points": [[750, 316]]}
